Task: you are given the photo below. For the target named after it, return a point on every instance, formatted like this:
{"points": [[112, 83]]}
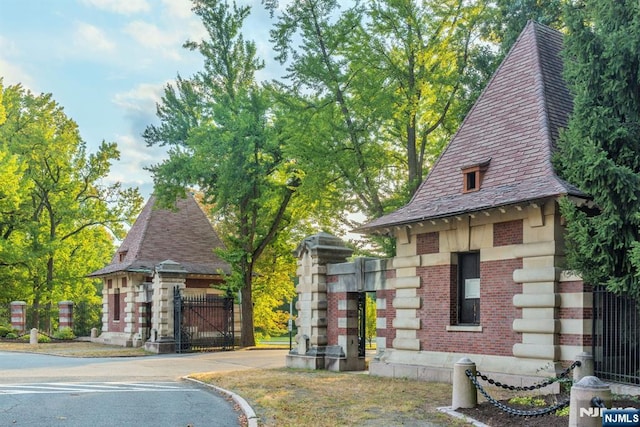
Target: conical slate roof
{"points": [[183, 235], [513, 126]]}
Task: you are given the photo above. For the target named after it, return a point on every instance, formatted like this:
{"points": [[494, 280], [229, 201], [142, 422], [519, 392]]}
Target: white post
{"points": [[33, 336], [586, 367], [581, 410], [464, 393]]}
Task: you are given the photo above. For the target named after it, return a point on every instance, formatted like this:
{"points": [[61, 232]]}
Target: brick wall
{"points": [[388, 313], [575, 313], [496, 310], [332, 316], [117, 326], [507, 233], [427, 243]]}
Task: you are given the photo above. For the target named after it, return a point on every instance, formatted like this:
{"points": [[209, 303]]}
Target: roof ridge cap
{"points": [[543, 101]]}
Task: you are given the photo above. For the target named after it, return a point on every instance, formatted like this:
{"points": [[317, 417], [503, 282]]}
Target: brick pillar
{"points": [[19, 316], [314, 253], [143, 313], [65, 315], [344, 355], [168, 276]]}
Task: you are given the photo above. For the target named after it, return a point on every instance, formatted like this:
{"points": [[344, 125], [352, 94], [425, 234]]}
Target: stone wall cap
{"points": [[591, 382], [323, 242], [169, 266]]}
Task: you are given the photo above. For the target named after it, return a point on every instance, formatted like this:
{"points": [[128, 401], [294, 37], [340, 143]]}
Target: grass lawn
{"points": [[73, 348], [292, 397]]}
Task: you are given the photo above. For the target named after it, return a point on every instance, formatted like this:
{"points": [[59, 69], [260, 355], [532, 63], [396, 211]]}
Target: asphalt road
{"points": [[41, 390]]}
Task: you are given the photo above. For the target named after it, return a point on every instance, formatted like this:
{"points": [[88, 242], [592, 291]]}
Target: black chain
{"points": [[597, 402], [514, 411], [542, 384]]}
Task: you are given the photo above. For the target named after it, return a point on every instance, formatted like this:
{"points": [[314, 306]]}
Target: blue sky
{"points": [[107, 61]]}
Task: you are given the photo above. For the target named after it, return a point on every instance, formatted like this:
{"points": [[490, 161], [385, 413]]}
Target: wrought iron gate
{"points": [[203, 323], [616, 337]]}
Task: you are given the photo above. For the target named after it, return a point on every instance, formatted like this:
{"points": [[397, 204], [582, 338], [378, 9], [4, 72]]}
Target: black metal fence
{"points": [[616, 337], [203, 323]]}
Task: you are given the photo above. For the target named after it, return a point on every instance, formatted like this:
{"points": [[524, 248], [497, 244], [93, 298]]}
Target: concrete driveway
{"points": [[42, 390], [25, 367]]}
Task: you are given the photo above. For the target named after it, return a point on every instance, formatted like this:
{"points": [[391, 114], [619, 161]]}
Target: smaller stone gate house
{"points": [[164, 249], [480, 251]]}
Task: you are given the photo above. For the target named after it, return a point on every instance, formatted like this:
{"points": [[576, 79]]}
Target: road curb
{"points": [[452, 413], [249, 413]]}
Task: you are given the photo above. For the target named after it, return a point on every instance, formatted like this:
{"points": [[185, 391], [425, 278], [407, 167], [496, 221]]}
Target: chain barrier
{"points": [[514, 411], [544, 383], [597, 402]]}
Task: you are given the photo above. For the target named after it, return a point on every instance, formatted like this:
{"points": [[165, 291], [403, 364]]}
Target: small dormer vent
{"points": [[472, 176]]}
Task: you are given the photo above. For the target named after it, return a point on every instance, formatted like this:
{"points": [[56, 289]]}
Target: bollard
{"points": [[33, 336], [586, 367], [581, 411], [464, 393], [94, 333]]}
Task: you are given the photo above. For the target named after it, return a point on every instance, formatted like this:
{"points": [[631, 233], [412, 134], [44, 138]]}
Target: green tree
{"points": [[273, 286], [375, 91], [58, 233], [334, 127], [600, 150], [225, 141], [511, 17], [423, 55], [371, 319]]}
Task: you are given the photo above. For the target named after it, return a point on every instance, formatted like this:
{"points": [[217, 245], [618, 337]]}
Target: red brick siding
{"points": [[427, 243], [575, 313], [192, 283], [496, 310], [332, 316], [575, 339], [507, 233], [388, 313], [576, 286], [118, 325]]}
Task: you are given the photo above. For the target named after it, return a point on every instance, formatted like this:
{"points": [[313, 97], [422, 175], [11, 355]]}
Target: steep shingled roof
{"points": [[514, 123], [184, 235]]}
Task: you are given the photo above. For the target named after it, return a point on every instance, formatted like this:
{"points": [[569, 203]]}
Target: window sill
{"points": [[464, 328]]}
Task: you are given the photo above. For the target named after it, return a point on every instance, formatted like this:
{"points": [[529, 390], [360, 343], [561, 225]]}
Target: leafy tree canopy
{"points": [[57, 219]]}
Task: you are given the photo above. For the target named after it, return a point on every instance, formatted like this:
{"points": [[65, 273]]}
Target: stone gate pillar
{"points": [[65, 314], [168, 275], [314, 253], [19, 316]]}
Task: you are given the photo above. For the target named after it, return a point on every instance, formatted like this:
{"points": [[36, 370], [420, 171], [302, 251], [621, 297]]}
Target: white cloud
{"points": [[151, 37], [92, 38], [178, 8], [134, 157], [140, 99], [10, 72], [123, 7]]}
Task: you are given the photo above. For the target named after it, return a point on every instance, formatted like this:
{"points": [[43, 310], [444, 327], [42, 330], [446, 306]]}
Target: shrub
{"points": [[4, 330], [41, 338], [64, 334], [11, 335]]}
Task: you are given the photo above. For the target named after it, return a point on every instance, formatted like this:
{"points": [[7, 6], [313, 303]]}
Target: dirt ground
{"points": [[492, 416]]}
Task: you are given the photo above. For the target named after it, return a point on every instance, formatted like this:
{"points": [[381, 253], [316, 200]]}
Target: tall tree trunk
{"points": [[247, 336]]}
